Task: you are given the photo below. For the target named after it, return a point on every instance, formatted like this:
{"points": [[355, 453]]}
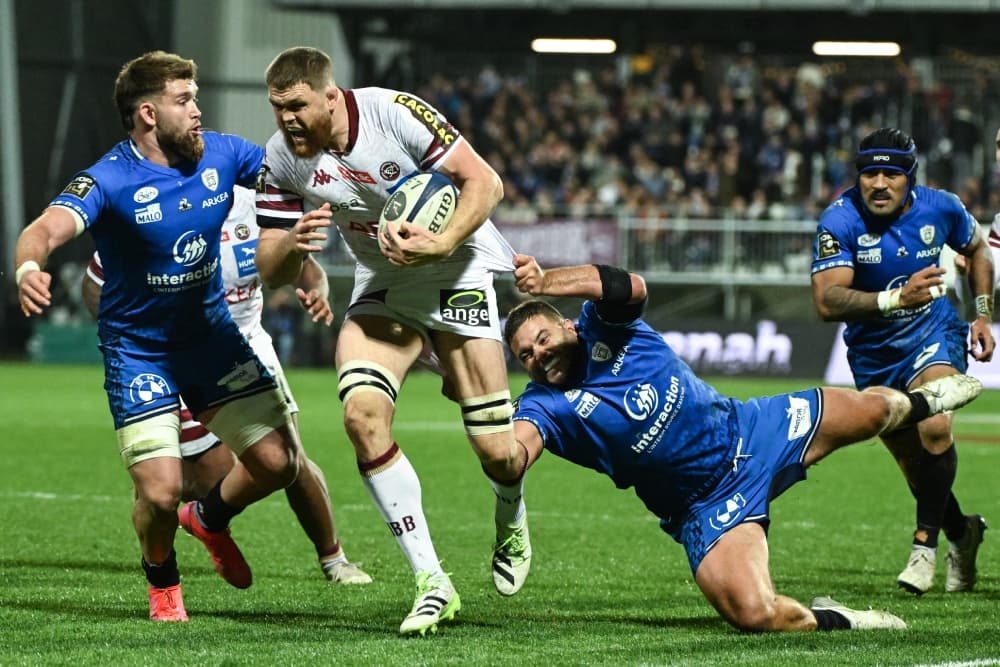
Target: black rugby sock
{"points": [[934, 477], [215, 513], [162, 575]]}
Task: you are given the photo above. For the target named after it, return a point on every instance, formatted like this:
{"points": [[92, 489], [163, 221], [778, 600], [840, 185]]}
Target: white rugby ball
{"points": [[427, 199]]}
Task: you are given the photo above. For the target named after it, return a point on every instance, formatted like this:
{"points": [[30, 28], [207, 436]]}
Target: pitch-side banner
{"points": [[565, 242], [838, 372]]}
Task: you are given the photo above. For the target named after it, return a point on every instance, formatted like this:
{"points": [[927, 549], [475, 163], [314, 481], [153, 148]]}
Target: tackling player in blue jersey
{"points": [[876, 266], [155, 205], [608, 393]]}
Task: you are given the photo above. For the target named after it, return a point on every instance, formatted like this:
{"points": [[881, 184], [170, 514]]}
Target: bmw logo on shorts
{"points": [[147, 387]]}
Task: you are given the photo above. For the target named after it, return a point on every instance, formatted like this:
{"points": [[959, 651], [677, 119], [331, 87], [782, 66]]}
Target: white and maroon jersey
{"points": [[392, 134], [239, 270], [994, 241]]}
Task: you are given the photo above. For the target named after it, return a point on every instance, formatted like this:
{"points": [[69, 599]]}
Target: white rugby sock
{"points": [[510, 502], [396, 492]]}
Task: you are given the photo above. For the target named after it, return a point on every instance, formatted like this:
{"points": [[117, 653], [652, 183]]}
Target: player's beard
{"points": [[181, 142], [316, 137]]}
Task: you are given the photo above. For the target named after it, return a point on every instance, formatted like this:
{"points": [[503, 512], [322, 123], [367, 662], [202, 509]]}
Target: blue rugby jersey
{"points": [[885, 257], [638, 414], [158, 230]]}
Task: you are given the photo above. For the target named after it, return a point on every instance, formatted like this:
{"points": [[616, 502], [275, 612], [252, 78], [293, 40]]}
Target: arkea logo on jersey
{"points": [[929, 252], [146, 194], [215, 201], [465, 307], [242, 376], [870, 256], [147, 214], [600, 352], [189, 249], [210, 177], [245, 254], [445, 133], [80, 186], [799, 417], [147, 387], [730, 511], [619, 362]]}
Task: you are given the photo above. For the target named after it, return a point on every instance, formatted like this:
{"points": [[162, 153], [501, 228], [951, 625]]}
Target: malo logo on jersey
{"points": [[147, 214], [588, 402], [320, 177], [210, 177], [465, 307], [799, 417], [147, 387], [245, 254], [356, 175], [870, 256], [189, 248]]}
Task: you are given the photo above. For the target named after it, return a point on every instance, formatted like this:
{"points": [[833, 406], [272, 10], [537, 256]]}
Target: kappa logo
{"points": [[210, 177], [600, 352], [190, 248], [320, 177], [925, 354], [147, 387], [730, 511]]}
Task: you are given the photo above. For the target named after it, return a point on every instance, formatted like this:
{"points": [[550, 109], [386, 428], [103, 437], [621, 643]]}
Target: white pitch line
{"points": [[981, 662]]}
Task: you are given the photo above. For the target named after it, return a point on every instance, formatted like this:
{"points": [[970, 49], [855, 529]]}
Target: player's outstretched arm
{"points": [[584, 281], [54, 227]]}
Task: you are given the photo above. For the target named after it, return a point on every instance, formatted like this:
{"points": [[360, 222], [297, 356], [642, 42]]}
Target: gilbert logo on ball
{"points": [[425, 199]]}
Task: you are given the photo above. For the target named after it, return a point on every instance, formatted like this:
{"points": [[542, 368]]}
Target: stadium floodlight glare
{"points": [[560, 45], [879, 49]]}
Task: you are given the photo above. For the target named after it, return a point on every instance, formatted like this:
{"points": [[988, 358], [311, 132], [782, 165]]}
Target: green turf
{"points": [[607, 587]]}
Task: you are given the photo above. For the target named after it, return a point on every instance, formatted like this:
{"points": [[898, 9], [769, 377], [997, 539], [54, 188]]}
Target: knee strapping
{"points": [[243, 422], [356, 376], [149, 439], [487, 414]]}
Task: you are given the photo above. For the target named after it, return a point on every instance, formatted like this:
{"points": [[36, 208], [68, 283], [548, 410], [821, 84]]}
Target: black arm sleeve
{"points": [[616, 287]]}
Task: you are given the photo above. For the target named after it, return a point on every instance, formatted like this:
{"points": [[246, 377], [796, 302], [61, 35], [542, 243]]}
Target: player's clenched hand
{"points": [[981, 339], [412, 245], [310, 229], [316, 304], [528, 274], [33, 292], [923, 287]]}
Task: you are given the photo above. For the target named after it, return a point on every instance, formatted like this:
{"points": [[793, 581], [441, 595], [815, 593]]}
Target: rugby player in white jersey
{"points": [[206, 458], [334, 160]]}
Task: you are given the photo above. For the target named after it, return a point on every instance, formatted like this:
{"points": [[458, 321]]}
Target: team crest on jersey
{"points": [[868, 240], [147, 387], [80, 186], [729, 512], [927, 234], [600, 352], [210, 177], [146, 194], [242, 231], [468, 306], [389, 171], [827, 245]]}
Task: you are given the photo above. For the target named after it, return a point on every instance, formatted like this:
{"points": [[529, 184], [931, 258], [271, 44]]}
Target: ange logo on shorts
{"points": [[465, 306]]}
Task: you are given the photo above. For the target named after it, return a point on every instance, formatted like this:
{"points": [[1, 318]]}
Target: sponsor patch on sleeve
{"points": [[827, 246], [439, 127], [80, 186]]}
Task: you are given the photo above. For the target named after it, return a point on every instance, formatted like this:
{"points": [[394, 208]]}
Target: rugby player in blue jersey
{"points": [[155, 205], [608, 393], [876, 266]]}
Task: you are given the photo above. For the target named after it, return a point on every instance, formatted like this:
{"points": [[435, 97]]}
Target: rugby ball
{"points": [[427, 199]]}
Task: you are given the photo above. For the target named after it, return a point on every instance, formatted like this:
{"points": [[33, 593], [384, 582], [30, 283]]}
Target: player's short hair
{"points": [[147, 76], [523, 312], [300, 64]]}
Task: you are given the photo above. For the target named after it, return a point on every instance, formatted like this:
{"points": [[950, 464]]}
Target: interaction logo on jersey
{"points": [[729, 512], [210, 177], [147, 214], [925, 354], [80, 186], [600, 352], [799, 417], [245, 254], [641, 400], [146, 194], [190, 248], [243, 375], [147, 387], [828, 245], [465, 307]]}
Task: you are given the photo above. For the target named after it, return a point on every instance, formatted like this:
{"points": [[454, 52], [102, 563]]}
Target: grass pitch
{"points": [[607, 586]]}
